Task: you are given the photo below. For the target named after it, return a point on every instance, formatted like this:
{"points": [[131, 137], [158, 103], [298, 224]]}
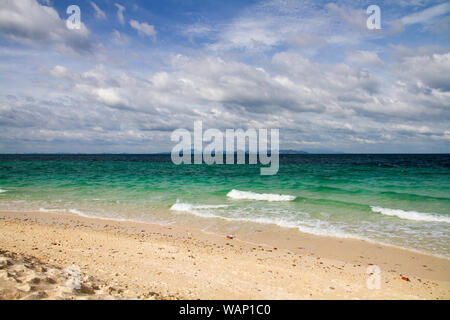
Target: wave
{"points": [[411, 215], [73, 211], [248, 195], [314, 227], [317, 228], [2, 190], [51, 210], [179, 206], [83, 214]]}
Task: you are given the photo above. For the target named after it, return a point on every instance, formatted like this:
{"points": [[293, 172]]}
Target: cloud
{"points": [[426, 72], [120, 10], [298, 66], [272, 24], [143, 28], [356, 18], [99, 13], [426, 15], [364, 58], [226, 91], [415, 129], [332, 106], [263, 26], [110, 97], [29, 22], [119, 39]]}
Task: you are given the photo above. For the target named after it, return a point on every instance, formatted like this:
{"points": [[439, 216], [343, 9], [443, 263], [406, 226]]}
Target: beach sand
{"points": [[133, 260]]}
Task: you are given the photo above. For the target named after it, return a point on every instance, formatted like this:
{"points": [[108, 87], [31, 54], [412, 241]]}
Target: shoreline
{"points": [[199, 223], [186, 262]]}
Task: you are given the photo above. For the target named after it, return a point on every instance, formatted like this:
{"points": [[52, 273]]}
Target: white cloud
{"points": [[355, 18], [415, 129], [99, 13], [430, 72], [110, 97], [364, 58], [301, 24], [251, 34], [29, 22], [317, 106], [59, 71], [119, 39], [291, 87], [143, 28], [426, 15], [120, 10], [279, 82]]}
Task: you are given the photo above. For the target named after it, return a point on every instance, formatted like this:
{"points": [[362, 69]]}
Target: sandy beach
{"points": [[132, 260]]}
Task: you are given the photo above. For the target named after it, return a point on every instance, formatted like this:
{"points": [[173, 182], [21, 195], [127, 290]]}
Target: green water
{"points": [[402, 200]]}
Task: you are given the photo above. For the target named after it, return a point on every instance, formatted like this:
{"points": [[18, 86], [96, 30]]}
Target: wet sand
{"points": [[133, 260]]}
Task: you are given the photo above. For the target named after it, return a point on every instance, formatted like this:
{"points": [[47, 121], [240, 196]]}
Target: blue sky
{"points": [[137, 70]]}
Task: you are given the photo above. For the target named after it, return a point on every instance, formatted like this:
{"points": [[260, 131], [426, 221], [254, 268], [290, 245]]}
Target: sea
{"points": [[395, 199]]}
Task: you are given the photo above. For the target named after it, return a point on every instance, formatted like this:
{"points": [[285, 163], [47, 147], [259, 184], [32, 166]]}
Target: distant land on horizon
{"points": [[287, 151], [282, 152]]}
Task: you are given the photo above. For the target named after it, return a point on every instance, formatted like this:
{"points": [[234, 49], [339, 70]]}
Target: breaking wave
{"points": [[411, 215], [248, 195]]}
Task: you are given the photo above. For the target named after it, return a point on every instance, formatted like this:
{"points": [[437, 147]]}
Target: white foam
{"points": [[411, 215], [248, 195], [81, 213], [51, 210], [2, 190], [73, 211], [178, 206], [218, 206], [316, 228]]}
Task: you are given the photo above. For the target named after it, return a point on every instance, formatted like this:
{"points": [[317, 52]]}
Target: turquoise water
{"points": [[402, 200]]}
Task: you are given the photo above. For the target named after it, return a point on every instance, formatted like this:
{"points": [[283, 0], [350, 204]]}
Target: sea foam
{"points": [[2, 190], [319, 228], [411, 215], [51, 210], [179, 206], [248, 195]]}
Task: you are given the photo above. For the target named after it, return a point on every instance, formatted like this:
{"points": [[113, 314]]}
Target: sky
{"points": [[135, 71]]}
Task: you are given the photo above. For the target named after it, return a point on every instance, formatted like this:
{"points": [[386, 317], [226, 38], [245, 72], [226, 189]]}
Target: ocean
{"points": [[401, 200]]}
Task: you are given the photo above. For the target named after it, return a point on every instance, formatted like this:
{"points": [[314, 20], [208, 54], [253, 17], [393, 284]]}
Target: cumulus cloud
{"points": [[28, 21], [110, 97], [331, 104]]}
